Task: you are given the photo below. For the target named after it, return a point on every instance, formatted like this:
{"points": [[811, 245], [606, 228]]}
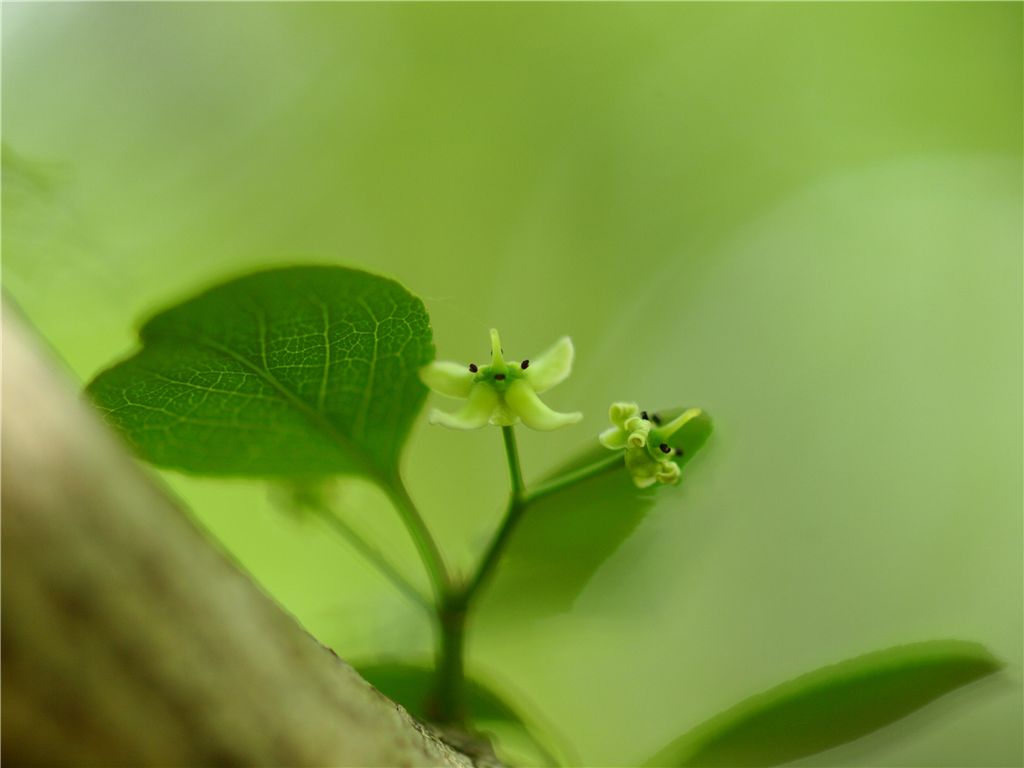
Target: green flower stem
{"points": [[374, 557], [515, 473], [428, 550], [447, 703], [606, 464], [520, 499], [516, 506]]}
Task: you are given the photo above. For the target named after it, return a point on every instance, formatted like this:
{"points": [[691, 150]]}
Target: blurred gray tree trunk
{"points": [[130, 639]]}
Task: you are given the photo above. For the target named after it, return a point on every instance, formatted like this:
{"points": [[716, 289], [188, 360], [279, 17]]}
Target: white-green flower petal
{"points": [[446, 378], [524, 402], [667, 430], [637, 430], [474, 414], [668, 472], [502, 415], [619, 412], [613, 438], [642, 468], [636, 424], [552, 367]]}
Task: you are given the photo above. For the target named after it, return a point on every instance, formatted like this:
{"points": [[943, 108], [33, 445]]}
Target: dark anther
{"points": [[525, 364], [656, 419], [473, 368], [643, 415], [499, 377], [679, 451], [664, 448]]}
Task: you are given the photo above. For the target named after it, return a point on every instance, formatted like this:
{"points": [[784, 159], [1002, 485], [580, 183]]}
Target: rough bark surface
{"points": [[129, 639]]}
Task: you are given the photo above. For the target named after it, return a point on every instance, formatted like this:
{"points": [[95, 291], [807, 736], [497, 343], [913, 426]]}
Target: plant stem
{"points": [[519, 500], [448, 703], [428, 550], [515, 473], [513, 512], [374, 557], [609, 462]]}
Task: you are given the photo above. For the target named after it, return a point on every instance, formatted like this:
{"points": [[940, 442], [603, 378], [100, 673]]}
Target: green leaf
{"points": [[830, 706], [298, 371], [410, 684], [564, 538]]}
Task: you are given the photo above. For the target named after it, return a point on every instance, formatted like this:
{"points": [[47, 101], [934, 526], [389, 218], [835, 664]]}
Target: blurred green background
{"points": [[806, 218]]}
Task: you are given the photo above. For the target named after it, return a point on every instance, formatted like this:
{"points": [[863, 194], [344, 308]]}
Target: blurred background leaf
{"points": [[830, 706], [805, 218]]}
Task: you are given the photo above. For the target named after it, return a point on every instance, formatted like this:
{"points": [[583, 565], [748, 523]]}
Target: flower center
{"points": [[498, 376]]}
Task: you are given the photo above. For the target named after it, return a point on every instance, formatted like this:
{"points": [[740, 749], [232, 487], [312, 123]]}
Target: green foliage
{"points": [[830, 706], [299, 371], [795, 239], [411, 684], [303, 372], [565, 537]]}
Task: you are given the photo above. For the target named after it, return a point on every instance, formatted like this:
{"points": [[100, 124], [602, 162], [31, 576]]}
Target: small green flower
{"points": [[502, 393], [647, 450]]}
